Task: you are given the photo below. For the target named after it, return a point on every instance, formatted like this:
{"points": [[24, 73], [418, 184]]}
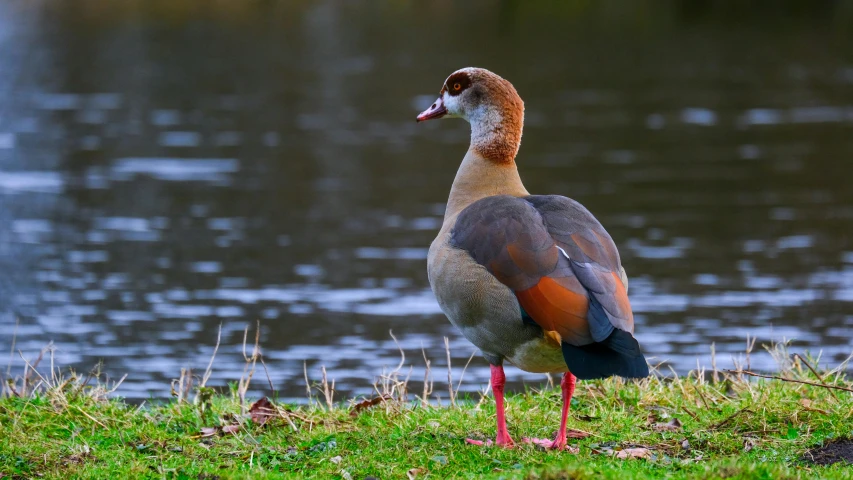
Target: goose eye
{"points": [[457, 86]]}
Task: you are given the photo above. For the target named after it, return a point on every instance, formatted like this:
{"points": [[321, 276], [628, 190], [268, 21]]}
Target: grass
{"points": [[682, 427]]}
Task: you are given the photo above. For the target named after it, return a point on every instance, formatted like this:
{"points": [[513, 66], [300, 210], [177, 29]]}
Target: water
{"points": [[166, 168]]}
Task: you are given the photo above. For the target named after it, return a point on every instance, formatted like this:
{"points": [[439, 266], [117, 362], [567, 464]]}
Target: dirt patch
{"points": [[840, 450]]}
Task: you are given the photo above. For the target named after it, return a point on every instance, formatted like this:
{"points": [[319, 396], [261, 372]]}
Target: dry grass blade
{"points": [[390, 385], [328, 390], [449, 374], [750, 345], [462, 375], [181, 387], [307, 382], [117, 384], [212, 357], [89, 416], [427, 379], [31, 368], [249, 368]]}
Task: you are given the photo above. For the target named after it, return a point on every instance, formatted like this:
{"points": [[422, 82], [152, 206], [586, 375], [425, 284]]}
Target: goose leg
{"points": [[498, 381], [559, 443], [568, 387]]}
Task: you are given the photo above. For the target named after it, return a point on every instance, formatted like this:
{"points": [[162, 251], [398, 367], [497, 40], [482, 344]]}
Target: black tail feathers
{"points": [[619, 354]]}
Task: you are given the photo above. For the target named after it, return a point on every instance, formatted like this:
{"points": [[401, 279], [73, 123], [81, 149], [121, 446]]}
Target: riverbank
{"points": [[734, 426]]}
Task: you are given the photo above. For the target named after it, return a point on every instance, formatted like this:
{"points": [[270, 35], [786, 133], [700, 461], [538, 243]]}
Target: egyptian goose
{"points": [[533, 280]]}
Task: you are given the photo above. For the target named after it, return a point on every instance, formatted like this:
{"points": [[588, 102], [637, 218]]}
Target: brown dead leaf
{"points": [[572, 433], [233, 428], [749, 443], [413, 473], [208, 431], [634, 453], [262, 411], [673, 425], [365, 404]]}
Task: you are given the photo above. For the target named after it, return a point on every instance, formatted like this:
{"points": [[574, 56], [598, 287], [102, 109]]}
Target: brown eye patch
{"points": [[457, 82]]}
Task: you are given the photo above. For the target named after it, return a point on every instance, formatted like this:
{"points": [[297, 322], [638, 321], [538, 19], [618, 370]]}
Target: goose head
{"points": [[490, 104]]}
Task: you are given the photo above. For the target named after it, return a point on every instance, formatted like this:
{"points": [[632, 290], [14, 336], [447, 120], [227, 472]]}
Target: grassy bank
{"points": [[685, 427]]}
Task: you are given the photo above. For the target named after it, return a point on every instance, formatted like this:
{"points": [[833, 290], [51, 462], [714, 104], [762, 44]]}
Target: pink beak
{"points": [[437, 110]]}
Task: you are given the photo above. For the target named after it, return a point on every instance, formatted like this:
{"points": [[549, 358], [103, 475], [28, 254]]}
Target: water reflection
{"points": [[165, 170]]}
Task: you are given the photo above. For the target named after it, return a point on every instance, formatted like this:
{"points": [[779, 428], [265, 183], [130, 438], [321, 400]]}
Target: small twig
{"points": [[117, 384], [812, 409], [283, 413], [33, 366], [249, 367], [700, 374], [427, 382], [11, 386], [402, 353], [816, 374], [730, 418], [307, 382], [749, 346], [328, 392], [269, 379], [687, 411], [753, 374]]}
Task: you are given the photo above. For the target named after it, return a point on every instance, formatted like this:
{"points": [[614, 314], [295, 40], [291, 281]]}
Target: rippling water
{"points": [[168, 169]]}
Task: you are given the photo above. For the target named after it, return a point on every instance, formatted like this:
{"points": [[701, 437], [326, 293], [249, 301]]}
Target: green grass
{"points": [[732, 428]]}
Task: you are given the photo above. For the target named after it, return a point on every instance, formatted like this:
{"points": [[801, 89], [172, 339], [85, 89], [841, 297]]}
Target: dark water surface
{"points": [[167, 167]]}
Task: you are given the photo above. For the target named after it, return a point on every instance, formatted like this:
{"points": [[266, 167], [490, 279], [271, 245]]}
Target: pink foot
{"points": [[551, 444], [505, 442]]}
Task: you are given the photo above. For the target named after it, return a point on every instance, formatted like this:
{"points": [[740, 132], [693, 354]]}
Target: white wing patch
{"points": [[564, 252]]}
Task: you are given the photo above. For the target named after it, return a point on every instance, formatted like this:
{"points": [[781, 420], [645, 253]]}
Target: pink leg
{"points": [[568, 387], [559, 442], [498, 381]]}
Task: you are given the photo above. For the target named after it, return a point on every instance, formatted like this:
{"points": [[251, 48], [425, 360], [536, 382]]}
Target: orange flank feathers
{"points": [[559, 309]]}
